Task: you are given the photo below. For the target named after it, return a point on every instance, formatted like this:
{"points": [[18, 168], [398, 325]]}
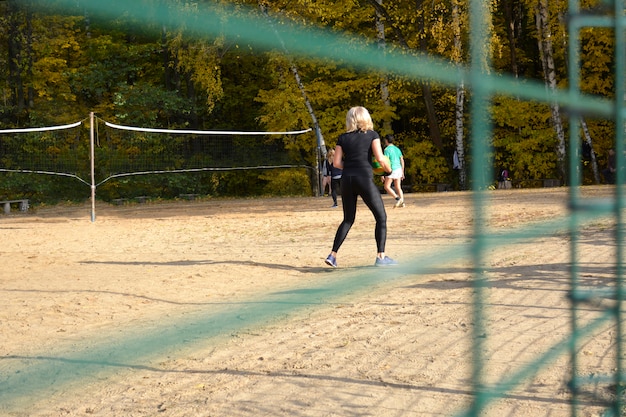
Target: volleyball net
{"points": [[127, 150], [107, 151], [53, 150]]}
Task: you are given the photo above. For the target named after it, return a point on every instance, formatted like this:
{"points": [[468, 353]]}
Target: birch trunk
{"points": [[460, 101], [321, 145], [594, 162], [547, 61]]}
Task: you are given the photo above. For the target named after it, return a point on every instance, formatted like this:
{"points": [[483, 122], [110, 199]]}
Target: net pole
{"points": [[321, 156], [91, 157]]}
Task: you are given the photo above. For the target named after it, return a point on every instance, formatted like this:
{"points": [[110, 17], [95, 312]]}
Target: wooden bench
{"points": [[119, 201], [23, 205], [552, 183], [434, 187], [546, 183], [189, 196]]}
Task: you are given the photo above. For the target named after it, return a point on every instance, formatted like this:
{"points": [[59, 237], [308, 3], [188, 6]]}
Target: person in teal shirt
{"points": [[397, 171]]}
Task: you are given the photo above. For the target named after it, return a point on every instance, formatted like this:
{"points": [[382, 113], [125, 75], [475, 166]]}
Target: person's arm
{"points": [[338, 158], [377, 150], [402, 163]]}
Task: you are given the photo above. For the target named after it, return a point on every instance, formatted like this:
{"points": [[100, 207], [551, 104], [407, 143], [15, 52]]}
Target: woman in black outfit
{"points": [[353, 154]]}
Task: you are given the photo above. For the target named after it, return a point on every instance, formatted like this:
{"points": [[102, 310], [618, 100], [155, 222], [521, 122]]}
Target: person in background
{"points": [[504, 180], [326, 172], [335, 174], [609, 171], [353, 154], [397, 171]]}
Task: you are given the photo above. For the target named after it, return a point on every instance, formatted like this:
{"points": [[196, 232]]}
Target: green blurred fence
{"points": [[483, 85], [606, 15]]}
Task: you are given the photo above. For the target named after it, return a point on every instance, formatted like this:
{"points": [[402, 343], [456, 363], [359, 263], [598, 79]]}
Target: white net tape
{"points": [[41, 129], [202, 132]]}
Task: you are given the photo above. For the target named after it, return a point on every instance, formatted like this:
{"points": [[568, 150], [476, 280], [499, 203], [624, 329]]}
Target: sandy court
{"points": [[223, 307]]}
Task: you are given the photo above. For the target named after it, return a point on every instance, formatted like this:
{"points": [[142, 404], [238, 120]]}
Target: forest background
{"points": [[59, 65]]}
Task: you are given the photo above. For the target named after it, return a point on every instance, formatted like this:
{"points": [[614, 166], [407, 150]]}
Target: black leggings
{"points": [[351, 188], [336, 183]]}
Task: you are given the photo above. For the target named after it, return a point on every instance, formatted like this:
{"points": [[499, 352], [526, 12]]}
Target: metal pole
{"points": [[93, 177], [321, 155]]}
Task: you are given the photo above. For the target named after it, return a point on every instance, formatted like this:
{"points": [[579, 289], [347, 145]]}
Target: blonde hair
{"points": [[358, 118]]}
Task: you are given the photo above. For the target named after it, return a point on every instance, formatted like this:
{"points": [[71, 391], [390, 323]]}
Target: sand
{"points": [[220, 307]]}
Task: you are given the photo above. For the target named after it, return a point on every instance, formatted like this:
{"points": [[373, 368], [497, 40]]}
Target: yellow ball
{"points": [[377, 168]]}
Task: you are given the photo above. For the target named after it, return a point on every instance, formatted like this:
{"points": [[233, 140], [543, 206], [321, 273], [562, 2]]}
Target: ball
{"points": [[377, 168]]}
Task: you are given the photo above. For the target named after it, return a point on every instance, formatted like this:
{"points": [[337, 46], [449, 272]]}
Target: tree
{"points": [[59, 64], [547, 61], [384, 81], [460, 99], [19, 55], [395, 25]]}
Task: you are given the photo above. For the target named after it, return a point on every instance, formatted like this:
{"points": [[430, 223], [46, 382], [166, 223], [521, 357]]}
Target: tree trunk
{"points": [[433, 123], [592, 156], [510, 30], [460, 137], [165, 57], [384, 82], [547, 61], [192, 118], [459, 161], [28, 48], [587, 136], [321, 145], [307, 102], [15, 57]]}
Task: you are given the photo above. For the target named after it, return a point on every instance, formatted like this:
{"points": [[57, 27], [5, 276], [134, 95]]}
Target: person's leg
{"points": [[372, 198], [334, 183], [348, 200], [387, 186], [374, 201], [326, 182], [398, 183]]}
